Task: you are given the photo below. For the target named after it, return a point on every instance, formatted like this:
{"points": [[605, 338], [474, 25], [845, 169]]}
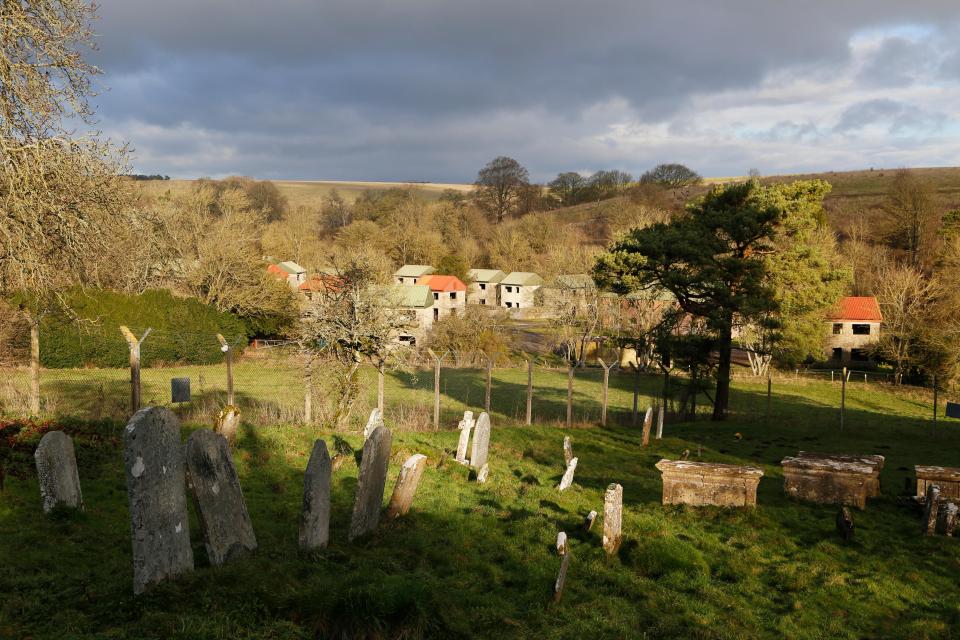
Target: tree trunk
{"points": [[606, 387], [380, 381], [436, 396], [34, 367], [723, 373], [486, 401], [636, 395], [529, 392]]}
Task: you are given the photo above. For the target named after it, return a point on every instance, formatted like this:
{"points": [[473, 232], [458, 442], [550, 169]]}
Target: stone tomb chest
{"points": [[709, 483], [947, 478], [874, 461], [828, 481]]}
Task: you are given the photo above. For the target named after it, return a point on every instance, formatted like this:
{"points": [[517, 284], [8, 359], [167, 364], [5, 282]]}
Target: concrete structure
{"points": [[485, 286], [417, 302], [449, 294], [289, 272], [854, 325], [709, 483], [518, 288], [408, 274]]}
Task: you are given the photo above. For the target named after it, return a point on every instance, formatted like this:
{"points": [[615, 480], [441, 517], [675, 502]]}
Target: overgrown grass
{"points": [[477, 561]]}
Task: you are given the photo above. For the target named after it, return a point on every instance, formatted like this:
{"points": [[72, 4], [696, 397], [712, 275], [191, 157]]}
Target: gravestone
{"points": [[709, 483], [180, 389], [567, 478], [375, 420], [228, 421], [647, 424], [947, 480], [465, 426], [481, 442], [660, 423], [370, 483], [159, 526], [829, 480], [57, 472], [567, 450], [931, 509], [315, 513], [224, 521], [950, 511], [561, 577], [483, 473], [562, 543], [406, 487], [612, 518], [588, 521]]}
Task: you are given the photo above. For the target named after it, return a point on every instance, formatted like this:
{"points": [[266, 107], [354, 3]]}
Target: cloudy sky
{"points": [[430, 90]]}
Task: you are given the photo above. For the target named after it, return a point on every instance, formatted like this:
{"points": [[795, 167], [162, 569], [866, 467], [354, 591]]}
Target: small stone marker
{"points": [[845, 524], [567, 478], [465, 426], [483, 473], [180, 389], [406, 487], [224, 521], [561, 577], [567, 450], [375, 420], [930, 512], [481, 442], [647, 424], [370, 483], [57, 472], [950, 512], [588, 521], [228, 421], [612, 518], [159, 525], [561, 543], [315, 515], [660, 423]]}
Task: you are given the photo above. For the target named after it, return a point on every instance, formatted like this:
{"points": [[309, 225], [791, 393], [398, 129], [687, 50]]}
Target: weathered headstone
{"points": [[567, 450], [375, 420], [228, 421], [660, 423], [315, 515], [561, 577], [950, 513], [567, 478], [930, 512], [159, 525], [562, 543], [465, 426], [612, 518], [647, 424], [406, 487], [180, 389], [709, 483], [481, 442], [57, 472], [370, 483], [588, 521], [483, 473], [224, 521]]}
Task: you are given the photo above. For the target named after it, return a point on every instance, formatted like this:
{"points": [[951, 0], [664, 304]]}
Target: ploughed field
{"points": [[479, 561]]}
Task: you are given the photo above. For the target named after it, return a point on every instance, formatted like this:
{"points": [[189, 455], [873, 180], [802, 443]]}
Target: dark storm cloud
{"points": [[431, 90]]}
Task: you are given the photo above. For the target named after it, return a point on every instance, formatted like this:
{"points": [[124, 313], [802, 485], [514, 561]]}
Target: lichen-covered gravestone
{"points": [[228, 422], [612, 518], [406, 487], [57, 472], [370, 483], [567, 478], [315, 516], [931, 510], [481, 442], [224, 521], [567, 450], [647, 424], [375, 420], [465, 426], [660, 423], [159, 526]]}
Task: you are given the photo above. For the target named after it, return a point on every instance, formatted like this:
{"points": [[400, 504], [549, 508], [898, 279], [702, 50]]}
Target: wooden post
{"points": [[769, 394], [436, 388], [308, 391], [380, 384], [843, 396], [228, 357], [933, 432], [529, 392], [486, 400], [606, 389], [636, 394], [570, 394], [34, 366], [134, 365]]}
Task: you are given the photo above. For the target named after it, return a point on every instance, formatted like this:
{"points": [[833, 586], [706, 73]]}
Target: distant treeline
{"points": [[143, 176]]}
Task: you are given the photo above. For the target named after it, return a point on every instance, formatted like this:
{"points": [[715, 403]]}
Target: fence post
{"points": [[486, 399], [636, 394], [308, 391], [843, 395], [34, 367], [228, 357], [933, 432], [769, 395], [529, 392], [436, 388], [380, 385], [606, 386], [134, 365], [570, 394]]}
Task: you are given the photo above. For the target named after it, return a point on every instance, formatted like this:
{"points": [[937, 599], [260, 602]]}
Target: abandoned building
{"points": [[449, 294], [854, 326], [408, 274], [484, 286], [518, 289]]}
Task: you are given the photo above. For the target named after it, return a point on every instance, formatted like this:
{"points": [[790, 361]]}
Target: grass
{"points": [[477, 561]]}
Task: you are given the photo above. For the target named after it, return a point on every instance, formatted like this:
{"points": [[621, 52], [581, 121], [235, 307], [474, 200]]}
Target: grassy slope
{"points": [[478, 561]]}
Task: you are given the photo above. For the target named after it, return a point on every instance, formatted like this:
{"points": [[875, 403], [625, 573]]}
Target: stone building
{"points": [[416, 301], [408, 274], [449, 294], [289, 272], [854, 326], [518, 289], [484, 286]]}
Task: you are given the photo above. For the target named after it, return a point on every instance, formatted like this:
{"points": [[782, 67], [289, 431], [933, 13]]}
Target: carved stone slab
{"points": [[828, 481], [375, 420], [660, 423], [709, 483], [221, 510], [57, 472], [315, 514], [567, 450], [947, 478], [406, 487], [466, 427], [371, 482], [647, 424], [155, 475], [876, 462], [481, 442], [612, 518]]}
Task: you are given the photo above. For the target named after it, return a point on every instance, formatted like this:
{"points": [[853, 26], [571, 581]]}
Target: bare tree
{"points": [[498, 186], [674, 176], [906, 299], [574, 306], [911, 214]]}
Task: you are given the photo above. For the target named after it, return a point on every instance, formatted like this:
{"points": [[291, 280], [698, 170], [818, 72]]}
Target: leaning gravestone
{"points": [[375, 420], [567, 450], [612, 518], [647, 424], [567, 478], [465, 426], [159, 525], [561, 577], [406, 487], [660, 423], [370, 483], [949, 518], [588, 521], [228, 421], [481, 442], [57, 472], [224, 521], [315, 515]]}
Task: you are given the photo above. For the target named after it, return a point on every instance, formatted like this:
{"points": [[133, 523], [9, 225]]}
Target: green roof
{"points": [[486, 275], [413, 271], [291, 267], [523, 279], [417, 296]]}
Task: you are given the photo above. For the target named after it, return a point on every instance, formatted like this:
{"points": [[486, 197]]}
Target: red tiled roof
{"points": [[443, 283], [277, 272], [321, 283], [863, 308]]}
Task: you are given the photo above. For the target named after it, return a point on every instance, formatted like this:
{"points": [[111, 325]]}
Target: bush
{"points": [[183, 330]]}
